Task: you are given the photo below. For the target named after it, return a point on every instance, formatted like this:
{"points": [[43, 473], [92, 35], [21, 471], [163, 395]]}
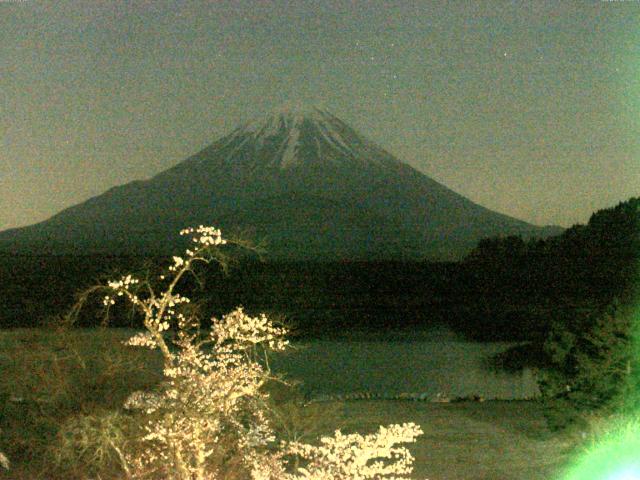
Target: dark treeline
{"points": [[578, 275], [594, 262], [583, 270], [314, 299], [321, 299], [506, 289]]}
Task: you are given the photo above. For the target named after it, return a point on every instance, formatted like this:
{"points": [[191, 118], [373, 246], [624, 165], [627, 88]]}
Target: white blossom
{"points": [[140, 400], [214, 398], [356, 456], [142, 339]]}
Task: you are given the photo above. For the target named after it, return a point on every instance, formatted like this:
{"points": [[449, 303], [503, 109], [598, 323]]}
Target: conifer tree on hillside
{"points": [[592, 363]]}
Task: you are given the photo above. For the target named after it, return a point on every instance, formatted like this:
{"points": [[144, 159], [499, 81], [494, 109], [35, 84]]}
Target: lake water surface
{"points": [[438, 364]]}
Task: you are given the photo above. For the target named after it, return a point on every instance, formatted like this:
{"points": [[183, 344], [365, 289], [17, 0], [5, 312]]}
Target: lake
{"points": [[438, 364]]}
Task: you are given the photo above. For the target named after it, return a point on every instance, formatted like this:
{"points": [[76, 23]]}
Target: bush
{"points": [[591, 365], [210, 417], [49, 376]]}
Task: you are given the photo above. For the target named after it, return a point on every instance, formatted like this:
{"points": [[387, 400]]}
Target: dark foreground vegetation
{"points": [[316, 299], [59, 388]]}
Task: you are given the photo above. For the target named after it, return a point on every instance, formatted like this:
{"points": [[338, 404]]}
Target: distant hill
{"points": [[303, 181]]}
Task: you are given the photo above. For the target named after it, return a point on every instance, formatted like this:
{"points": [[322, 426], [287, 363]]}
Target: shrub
{"points": [[591, 365], [209, 417], [96, 441], [47, 377]]}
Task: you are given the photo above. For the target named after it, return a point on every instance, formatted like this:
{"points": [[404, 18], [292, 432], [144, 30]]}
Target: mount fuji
{"points": [[302, 180]]}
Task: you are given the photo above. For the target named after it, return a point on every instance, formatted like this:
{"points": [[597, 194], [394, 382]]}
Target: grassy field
{"points": [[494, 440], [48, 377]]}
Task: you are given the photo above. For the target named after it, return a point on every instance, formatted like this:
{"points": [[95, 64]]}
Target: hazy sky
{"points": [[529, 108]]}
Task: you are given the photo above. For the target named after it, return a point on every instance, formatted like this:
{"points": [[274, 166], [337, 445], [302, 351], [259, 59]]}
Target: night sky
{"points": [[528, 108]]}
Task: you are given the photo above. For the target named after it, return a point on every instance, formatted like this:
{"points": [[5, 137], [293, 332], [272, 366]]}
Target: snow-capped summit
{"points": [[285, 126], [292, 136], [299, 178], [288, 115]]}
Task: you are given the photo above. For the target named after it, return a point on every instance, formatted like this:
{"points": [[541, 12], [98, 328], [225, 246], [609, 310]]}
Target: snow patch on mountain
{"points": [[289, 155], [289, 123], [333, 137]]}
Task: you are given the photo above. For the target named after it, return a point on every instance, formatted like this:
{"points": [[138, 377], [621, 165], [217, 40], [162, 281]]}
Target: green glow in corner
{"points": [[627, 474], [615, 457]]}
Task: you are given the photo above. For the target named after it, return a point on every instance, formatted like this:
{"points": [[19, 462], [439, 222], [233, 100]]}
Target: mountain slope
{"points": [[304, 181]]}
